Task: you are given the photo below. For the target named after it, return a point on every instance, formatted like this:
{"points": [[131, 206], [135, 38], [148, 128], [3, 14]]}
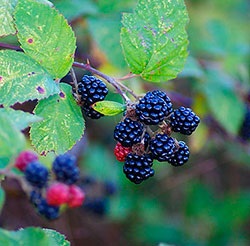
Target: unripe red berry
{"points": [[24, 158], [57, 194], [121, 152], [76, 196]]}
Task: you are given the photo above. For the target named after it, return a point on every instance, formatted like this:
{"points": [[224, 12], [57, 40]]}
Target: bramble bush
{"points": [[77, 63]]}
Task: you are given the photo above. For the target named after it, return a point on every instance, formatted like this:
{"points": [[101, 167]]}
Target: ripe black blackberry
{"points": [[92, 89], [167, 100], [65, 169], [162, 147], [48, 211], [184, 120], [128, 132], [245, 127], [138, 168], [90, 112], [180, 156], [36, 174], [151, 109]]}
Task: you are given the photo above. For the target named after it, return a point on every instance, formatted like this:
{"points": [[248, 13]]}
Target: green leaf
{"points": [[6, 19], [63, 124], [11, 140], [56, 238], [107, 38], [154, 39], [2, 198], [109, 108], [45, 35], [223, 101], [23, 79], [72, 9], [32, 236], [19, 118]]}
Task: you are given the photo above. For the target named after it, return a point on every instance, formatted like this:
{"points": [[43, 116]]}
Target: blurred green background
{"points": [[205, 202]]}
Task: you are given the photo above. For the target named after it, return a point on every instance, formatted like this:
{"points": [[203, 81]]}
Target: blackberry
{"points": [[35, 197], [97, 205], [65, 169], [162, 147], [151, 109], [184, 120], [90, 112], [164, 96], [180, 156], [128, 132], [245, 127], [137, 168], [36, 174], [24, 158], [92, 89], [50, 212]]}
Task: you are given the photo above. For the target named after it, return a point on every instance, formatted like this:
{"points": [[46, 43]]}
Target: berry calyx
{"points": [[92, 89], [152, 109], [24, 158], [76, 196], [138, 168], [121, 152], [180, 156], [65, 169], [57, 194], [162, 147], [36, 174], [128, 132], [184, 120]]}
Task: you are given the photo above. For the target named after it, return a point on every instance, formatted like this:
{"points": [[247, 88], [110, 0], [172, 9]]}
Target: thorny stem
{"points": [[73, 76], [109, 79], [127, 89]]}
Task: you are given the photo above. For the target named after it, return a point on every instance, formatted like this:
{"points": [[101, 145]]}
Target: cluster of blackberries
{"points": [[91, 90], [137, 145], [50, 190]]}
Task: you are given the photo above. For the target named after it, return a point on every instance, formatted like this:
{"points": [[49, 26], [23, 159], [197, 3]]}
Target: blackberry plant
{"points": [[37, 71]]}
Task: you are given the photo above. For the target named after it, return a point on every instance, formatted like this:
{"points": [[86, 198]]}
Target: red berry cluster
{"points": [[48, 190]]}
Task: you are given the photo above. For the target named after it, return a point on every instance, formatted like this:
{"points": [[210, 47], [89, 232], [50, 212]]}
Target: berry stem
{"points": [[109, 79], [11, 47], [127, 89]]}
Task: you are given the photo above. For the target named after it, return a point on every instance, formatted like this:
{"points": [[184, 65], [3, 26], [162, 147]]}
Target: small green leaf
{"points": [[62, 125], [11, 140], [32, 236], [109, 108], [6, 19], [23, 79], [223, 101], [2, 198], [45, 35], [154, 39], [19, 118]]}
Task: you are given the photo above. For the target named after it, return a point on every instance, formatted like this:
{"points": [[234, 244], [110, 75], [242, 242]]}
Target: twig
{"points": [[73, 76]]}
